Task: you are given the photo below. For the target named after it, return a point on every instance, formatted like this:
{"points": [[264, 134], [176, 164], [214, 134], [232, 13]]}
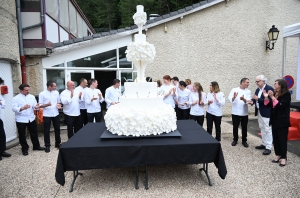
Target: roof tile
{"points": [[188, 8], [57, 44], [121, 30], [68, 42], [150, 21], [134, 27], [181, 11], [76, 40], [166, 16], [128, 28], [196, 5], [96, 35], [113, 31], [87, 38], [174, 13], [104, 33], [158, 19], [203, 2], [208, 1]]}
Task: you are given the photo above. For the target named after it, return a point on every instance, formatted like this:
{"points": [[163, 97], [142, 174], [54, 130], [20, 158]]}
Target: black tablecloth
{"points": [[295, 105], [85, 150]]}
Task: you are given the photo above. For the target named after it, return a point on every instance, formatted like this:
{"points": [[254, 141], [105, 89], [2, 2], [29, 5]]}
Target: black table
{"points": [[85, 150], [295, 105]]}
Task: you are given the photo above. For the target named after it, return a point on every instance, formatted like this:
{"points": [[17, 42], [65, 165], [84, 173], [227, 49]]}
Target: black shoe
{"points": [[276, 161], [47, 149], [233, 143], [4, 154], [57, 146], [282, 165], [267, 152], [245, 144], [260, 147], [39, 149], [0, 158], [25, 153]]}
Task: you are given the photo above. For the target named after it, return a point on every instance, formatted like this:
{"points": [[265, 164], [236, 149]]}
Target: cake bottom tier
{"points": [[140, 121]]}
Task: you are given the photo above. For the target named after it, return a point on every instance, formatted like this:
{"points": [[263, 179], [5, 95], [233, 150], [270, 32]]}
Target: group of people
{"points": [[272, 106], [82, 105]]}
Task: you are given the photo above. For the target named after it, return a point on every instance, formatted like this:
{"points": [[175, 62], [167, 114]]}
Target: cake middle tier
{"points": [[143, 102], [140, 89]]}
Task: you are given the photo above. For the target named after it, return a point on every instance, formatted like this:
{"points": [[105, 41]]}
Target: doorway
{"points": [[105, 79]]}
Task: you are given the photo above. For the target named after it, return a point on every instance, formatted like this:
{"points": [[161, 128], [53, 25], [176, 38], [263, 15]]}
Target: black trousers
{"points": [[83, 115], [280, 136], [236, 120], [97, 116], [210, 119], [73, 124], [56, 124], [33, 135], [2, 138], [183, 114], [198, 119]]}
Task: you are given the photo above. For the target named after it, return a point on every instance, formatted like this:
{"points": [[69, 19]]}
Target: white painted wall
{"points": [[7, 115], [63, 35], [85, 51], [51, 30], [28, 19]]}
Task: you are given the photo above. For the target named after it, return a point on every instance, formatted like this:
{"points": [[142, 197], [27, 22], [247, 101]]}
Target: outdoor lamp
{"points": [[273, 35]]}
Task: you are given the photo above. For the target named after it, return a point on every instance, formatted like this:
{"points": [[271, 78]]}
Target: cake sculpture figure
{"points": [[141, 112]]}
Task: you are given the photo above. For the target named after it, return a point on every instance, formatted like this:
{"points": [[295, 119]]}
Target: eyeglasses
{"points": [[257, 81]]}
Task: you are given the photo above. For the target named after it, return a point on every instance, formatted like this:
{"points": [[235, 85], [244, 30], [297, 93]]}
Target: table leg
{"points": [[146, 178], [137, 178], [205, 169], [75, 175]]}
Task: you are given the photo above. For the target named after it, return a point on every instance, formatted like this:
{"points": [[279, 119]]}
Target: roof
{"points": [[105, 36]]}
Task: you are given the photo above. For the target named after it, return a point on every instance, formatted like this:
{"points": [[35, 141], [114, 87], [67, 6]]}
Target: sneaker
{"points": [[245, 144], [233, 143]]}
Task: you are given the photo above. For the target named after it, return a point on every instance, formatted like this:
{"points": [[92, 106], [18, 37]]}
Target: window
{"points": [[52, 8], [106, 59], [30, 5], [64, 14], [59, 65], [57, 76], [123, 63], [73, 21]]}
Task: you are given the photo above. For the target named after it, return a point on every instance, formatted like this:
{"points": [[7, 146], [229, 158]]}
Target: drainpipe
{"points": [[20, 30]]}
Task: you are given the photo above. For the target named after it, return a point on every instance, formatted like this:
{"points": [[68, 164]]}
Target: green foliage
{"points": [[112, 14]]}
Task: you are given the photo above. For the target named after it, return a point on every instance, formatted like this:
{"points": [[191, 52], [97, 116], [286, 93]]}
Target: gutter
{"points": [[20, 31]]}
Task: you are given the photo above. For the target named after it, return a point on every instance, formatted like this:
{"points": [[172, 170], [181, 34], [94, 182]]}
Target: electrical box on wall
{"points": [[3, 89]]}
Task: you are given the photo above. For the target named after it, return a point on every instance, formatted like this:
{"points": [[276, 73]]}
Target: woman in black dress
{"points": [[280, 119]]}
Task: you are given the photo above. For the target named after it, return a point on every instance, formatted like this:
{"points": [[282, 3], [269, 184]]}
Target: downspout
{"points": [[20, 30]]}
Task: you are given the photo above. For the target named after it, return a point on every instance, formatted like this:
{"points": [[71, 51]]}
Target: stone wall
{"points": [[9, 45], [34, 72], [226, 43]]}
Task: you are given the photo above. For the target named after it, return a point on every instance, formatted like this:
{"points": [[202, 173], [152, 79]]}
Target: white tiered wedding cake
{"points": [[141, 112]]}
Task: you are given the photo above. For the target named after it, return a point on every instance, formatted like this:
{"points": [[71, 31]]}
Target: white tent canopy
{"points": [[292, 31]]}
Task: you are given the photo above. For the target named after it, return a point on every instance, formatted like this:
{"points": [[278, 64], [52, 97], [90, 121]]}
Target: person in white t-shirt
{"points": [[81, 88], [197, 100], [183, 101], [70, 99], [93, 98], [215, 101], [169, 91], [240, 97]]}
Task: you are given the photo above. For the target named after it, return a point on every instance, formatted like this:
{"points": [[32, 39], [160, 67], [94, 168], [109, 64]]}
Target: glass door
{"points": [[126, 76], [76, 75]]}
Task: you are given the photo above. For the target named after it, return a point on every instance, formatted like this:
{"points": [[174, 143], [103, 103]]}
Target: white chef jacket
{"points": [[93, 106], [183, 96], [71, 105], [20, 101], [49, 96], [2, 105], [215, 108], [239, 107], [112, 95], [82, 90], [170, 99], [197, 110]]}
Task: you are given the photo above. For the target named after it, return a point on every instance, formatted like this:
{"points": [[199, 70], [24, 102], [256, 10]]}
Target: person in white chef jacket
{"points": [[197, 100], [93, 98], [183, 101], [81, 88], [113, 94], [240, 97], [215, 102]]}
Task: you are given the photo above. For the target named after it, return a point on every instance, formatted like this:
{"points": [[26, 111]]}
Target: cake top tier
{"points": [[140, 89], [139, 38]]}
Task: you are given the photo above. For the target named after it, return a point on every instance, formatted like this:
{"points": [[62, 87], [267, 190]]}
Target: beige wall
{"points": [[9, 46], [34, 71], [225, 44]]}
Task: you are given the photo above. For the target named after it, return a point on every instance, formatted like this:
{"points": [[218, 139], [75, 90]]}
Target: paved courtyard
{"points": [[250, 174]]}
